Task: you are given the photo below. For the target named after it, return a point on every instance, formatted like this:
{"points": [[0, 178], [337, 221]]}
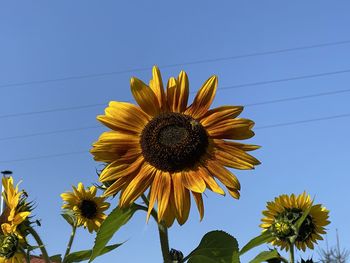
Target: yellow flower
{"points": [[16, 209], [284, 212], [174, 149], [10, 249], [87, 207]]}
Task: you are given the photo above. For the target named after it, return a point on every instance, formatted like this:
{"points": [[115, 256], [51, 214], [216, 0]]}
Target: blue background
{"points": [[63, 54]]}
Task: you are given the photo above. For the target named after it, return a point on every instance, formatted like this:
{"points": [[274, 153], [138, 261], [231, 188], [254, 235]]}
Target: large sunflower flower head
{"points": [[10, 249], [15, 218], [87, 207], [174, 149], [282, 214]]}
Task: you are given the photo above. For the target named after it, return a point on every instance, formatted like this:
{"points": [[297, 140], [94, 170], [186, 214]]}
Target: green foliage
{"points": [[86, 254], [116, 219], [265, 256], [56, 258], [215, 247], [302, 218], [257, 241], [69, 216]]}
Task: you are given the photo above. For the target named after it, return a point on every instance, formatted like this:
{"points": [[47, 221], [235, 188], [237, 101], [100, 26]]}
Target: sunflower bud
{"points": [[8, 245], [307, 261], [176, 255]]}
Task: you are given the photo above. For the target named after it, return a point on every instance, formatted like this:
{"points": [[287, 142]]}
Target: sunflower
{"points": [[10, 249], [87, 207], [284, 212], [175, 149], [16, 210]]}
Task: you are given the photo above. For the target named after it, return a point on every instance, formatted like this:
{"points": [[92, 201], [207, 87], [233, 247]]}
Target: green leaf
{"points": [[69, 216], [86, 254], [117, 218], [265, 255], [56, 258], [215, 247], [257, 241], [303, 217]]}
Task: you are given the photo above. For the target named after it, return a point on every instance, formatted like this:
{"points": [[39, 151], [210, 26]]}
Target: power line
{"points": [[303, 121], [99, 126], [202, 61], [257, 128], [44, 157], [315, 95], [258, 83], [49, 133], [324, 74]]}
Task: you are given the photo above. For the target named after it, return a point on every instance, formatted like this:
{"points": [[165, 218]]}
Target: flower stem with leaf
{"points": [[70, 242], [41, 245], [163, 234]]}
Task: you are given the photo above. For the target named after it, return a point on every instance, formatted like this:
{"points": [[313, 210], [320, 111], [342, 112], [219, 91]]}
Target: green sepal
{"points": [[56, 258], [215, 247], [116, 219], [69, 216], [86, 254], [257, 241], [266, 255], [303, 217]]}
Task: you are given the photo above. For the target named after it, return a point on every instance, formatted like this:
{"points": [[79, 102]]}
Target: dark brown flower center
{"points": [[88, 209], [173, 142]]}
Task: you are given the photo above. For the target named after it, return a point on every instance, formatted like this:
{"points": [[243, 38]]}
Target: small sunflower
{"points": [[284, 212], [88, 208], [10, 247], [17, 210], [174, 149]]}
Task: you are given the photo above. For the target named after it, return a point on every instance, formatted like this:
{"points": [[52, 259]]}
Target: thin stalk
{"points": [[70, 242], [164, 242], [40, 244], [291, 246], [163, 234]]}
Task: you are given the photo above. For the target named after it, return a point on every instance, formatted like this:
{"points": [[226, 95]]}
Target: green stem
{"points": [[40, 244], [164, 242], [70, 242], [163, 234], [291, 248]]}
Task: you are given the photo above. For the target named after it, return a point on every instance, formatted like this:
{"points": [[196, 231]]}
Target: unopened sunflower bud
{"points": [[8, 245], [176, 255], [307, 261]]}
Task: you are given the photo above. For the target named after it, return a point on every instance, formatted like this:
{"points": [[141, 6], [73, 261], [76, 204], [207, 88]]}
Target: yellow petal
{"points": [[177, 92], [138, 185], [118, 169], [210, 181], [123, 116], [236, 129], [170, 93], [199, 202], [203, 99], [182, 199], [224, 175], [156, 84], [20, 217], [220, 114], [192, 181], [145, 97]]}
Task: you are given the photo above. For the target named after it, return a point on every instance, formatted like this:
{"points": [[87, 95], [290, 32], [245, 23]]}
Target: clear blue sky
{"points": [[47, 40]]}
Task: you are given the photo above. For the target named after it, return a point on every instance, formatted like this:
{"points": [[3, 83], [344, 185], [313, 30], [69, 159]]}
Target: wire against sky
{"points": [[324, 74], [99, 126], [202, 61], [346, 115]]}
